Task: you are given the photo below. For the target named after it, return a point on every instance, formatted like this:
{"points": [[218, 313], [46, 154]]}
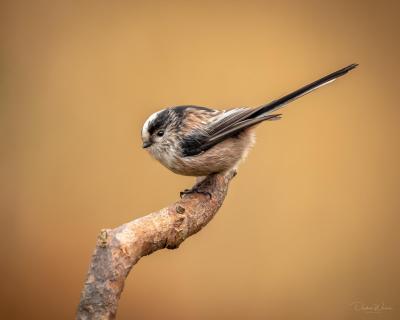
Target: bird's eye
{"points": [[160, 133]]}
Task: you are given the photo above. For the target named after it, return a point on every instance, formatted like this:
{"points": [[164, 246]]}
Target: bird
{"points": [[199, 141]]}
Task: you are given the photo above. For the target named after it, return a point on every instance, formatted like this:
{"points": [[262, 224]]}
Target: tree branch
{"points": [[119, 249]]}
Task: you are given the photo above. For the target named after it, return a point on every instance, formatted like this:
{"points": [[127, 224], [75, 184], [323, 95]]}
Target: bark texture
{"points": [[119, 249]]}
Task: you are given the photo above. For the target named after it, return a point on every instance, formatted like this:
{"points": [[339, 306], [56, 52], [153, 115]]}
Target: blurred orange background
{"points": [[310, 224]]}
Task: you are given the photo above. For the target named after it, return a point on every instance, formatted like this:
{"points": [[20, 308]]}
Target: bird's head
{"points": [[156, 130]]}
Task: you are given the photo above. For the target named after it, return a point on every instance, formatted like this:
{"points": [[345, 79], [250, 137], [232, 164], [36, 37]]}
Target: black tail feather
{"points": [[276, 104]]}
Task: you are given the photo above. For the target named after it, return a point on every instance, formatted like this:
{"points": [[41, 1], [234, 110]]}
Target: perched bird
{"points": [[199, 141]]}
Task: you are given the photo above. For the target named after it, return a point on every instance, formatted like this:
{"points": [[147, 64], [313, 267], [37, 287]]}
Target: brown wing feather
{"points": [[228, 119], [235, 129]]}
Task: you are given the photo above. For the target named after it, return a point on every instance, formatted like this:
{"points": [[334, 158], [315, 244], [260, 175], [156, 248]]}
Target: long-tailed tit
{"points": [[199, 141]]}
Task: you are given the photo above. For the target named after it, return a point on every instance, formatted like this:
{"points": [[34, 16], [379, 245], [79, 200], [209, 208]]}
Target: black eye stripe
{"points": [[160, 122]]}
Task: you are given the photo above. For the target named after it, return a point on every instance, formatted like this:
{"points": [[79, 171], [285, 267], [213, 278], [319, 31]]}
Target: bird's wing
{"points": [[227, 118], [228, 124], [235, 128]]}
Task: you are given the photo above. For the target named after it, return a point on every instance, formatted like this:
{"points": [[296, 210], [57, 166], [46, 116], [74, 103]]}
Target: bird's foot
{"points": [[195, 190]]}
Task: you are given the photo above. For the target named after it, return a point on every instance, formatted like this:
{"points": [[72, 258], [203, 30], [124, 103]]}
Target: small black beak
{"points": [[146, 144]]}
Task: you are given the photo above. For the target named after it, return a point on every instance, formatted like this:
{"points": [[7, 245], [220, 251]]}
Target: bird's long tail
{"points": [[279, 103], [245, 118]]}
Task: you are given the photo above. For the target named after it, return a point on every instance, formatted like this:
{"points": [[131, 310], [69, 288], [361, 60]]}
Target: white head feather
{"points": [[145, 129]]}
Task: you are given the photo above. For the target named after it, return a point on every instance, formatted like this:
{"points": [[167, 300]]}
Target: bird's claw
{"points": [[194, 190]]}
